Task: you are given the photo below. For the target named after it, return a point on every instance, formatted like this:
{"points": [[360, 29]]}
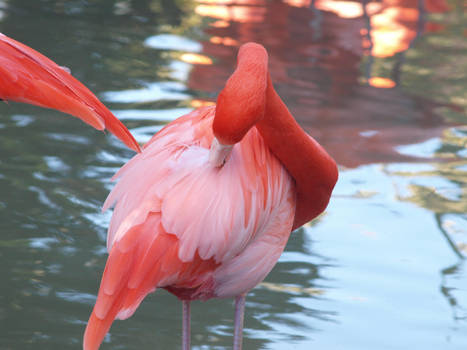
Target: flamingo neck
{"points": [[314, 171], [249, 99]]}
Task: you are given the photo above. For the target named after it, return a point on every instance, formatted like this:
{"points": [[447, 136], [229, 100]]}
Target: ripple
{"points": [[43, 198], [56, 164], [410, 168], [76, 200], [163, 90], [159, 115], [44, 243], [101, 220], [69, 138], [172, 42], [180, 70], [426, 149], [77, 297], [442, 186], [22, 120]]}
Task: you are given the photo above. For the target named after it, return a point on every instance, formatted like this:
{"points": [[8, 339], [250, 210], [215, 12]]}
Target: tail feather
{"points": [[30, 77], [135, 270], [117, 298], [98, 327]]}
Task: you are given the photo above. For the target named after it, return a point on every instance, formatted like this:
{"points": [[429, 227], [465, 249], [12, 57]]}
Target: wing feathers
{"points": [[28, 76], [172, 173], [177, 221], [129, 276]]}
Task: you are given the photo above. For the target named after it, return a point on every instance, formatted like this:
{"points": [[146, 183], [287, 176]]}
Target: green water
{"points": [[383, 268]]}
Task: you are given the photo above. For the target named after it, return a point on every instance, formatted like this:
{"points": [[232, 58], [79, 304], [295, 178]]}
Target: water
{"points": [[382, 87]]}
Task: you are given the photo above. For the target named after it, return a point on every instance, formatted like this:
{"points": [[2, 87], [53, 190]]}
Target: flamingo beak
{"points": [[219, 153]]}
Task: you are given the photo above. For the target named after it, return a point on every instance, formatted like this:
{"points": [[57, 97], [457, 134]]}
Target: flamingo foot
{"points": [[186, 329], [239, 315]]}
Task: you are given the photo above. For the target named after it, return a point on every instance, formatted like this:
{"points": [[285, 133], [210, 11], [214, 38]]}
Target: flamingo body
{"points": [[195, 230]]}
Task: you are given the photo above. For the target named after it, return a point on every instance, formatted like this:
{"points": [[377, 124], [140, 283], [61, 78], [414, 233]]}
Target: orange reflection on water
{"points": [[219, 24], [317, 62], [194, 58], [380, 82], [224, 41], [343, 9], [394, 24], [229, 10], [298, 3]]}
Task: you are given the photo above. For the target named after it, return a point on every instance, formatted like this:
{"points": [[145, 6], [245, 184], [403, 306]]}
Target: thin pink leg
{"points": [[239, 314], [186, 325]]}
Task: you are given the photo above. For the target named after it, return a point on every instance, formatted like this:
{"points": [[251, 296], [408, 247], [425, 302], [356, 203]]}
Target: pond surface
{"points": [[383, 87]]}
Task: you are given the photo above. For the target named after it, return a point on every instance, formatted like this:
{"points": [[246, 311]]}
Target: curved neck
{"points": [[249, 99], [314, 171]]}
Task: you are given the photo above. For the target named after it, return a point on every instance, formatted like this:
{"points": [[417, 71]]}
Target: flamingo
{"points": [[205, 208]]}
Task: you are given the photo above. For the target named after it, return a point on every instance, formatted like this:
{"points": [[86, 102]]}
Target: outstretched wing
{"points": [[30, 77], [177, 219]]}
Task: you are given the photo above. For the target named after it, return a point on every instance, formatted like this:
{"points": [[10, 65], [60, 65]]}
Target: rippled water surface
{"points": [[383, 87]]}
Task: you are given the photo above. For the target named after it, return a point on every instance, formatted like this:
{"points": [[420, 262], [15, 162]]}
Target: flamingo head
{"points": [[240, 105]]}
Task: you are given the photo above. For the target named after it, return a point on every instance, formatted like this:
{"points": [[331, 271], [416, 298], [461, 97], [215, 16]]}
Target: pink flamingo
{"points": [[205, 209]]}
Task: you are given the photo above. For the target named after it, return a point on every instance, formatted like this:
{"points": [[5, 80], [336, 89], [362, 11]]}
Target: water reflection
{"points": [[321, 80], [379, 83], [453, 291], [441, 189]]}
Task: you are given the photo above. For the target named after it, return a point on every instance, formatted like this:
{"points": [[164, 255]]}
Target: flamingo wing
{"points": [[30, 77], [177, 220], [222, 207]]}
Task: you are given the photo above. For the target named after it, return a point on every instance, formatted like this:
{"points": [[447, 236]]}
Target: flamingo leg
{"points": [[239, 315], [186, 328]]}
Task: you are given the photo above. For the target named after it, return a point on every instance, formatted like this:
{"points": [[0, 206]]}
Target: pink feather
{"points": [[217, 223]]}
